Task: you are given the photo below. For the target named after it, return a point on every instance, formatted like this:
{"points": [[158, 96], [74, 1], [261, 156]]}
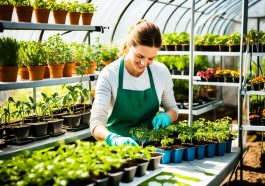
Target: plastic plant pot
{"points": [[129, 174], [166, 157], [115, 178], [220, 149], [200, 151], [228, 146], [141, 168], [210, 150], [189, 154], [177, 155], [155, 160]]}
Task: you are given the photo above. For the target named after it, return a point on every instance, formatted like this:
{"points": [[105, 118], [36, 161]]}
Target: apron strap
{"points": [[121, 71]]}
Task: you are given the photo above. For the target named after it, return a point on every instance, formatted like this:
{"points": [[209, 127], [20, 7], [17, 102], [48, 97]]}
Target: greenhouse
{"points": [[132, 92]]}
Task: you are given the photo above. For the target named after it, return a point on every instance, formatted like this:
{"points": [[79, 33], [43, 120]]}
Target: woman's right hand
{"points": [[116, 140]]}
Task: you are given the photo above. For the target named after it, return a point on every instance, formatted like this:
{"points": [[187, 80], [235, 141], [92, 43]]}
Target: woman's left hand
{"points": [[161, 120]]}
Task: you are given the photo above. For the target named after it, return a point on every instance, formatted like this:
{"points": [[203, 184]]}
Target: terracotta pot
{"points": [[77, 64], [6, 12], [56, 70], [92, 68], [8, 74], [68, 69], [86, 18], [74, 17], [42, 15], [24, 73], [46, 72], [24, 13], [36, 72], [59, 16]]}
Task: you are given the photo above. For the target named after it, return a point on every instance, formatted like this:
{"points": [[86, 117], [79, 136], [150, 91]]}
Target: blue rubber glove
{"points": [[116, 140], [161, 120]]}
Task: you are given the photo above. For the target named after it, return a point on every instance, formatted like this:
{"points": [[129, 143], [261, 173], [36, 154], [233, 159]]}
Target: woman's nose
{"points": [[144, 62]]}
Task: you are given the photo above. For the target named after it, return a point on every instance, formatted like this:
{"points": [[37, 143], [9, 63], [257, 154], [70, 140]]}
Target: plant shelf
{"points": [[223, 84], [196, 78], [12, 150], [260, 93], [7, 25], [253, 128], [199, 53], [200, 109], [45, 82], [197, 172]]}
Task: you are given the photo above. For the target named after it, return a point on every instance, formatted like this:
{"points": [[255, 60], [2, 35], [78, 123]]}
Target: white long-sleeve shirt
{"points": [[107, 86]]}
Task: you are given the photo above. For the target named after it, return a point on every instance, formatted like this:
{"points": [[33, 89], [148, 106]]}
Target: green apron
{"points": [[133, 108]]}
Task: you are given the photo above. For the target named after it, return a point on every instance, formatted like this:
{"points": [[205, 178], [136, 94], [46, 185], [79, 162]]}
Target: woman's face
{"points": [[141, 56]]}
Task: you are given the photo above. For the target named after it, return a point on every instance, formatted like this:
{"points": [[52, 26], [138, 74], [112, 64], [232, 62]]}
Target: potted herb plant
{"points": [[69, 64], [41, 10], [8, 59], [58, 53], [234, 42], [35, 58], [258, 83], [23, 70], [87, 11], [6, 10], [24, 10], [221, 41], [184, 40], [73, 12], [59, 10], [108, 54], [78, 54]]}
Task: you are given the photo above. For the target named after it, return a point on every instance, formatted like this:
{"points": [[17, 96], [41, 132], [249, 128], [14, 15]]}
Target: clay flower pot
{"points": [[86, 18], [24, 13], [6, 12], [74, 18], [59, 16], [42, 15]]}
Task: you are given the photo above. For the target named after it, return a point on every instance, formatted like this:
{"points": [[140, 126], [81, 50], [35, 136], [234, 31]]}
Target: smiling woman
{"points": [[130, 90]]}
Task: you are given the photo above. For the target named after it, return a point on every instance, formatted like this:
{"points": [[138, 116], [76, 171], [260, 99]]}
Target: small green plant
{"points": [[21, 3], [41, 4], [8, 52], [35, 54], [58, 52], [6, 2], [184, 38], [73, 6], [165, 142], [87, 8], [60, 5], [21, 110], [50, 103], [234, 39], [70, 99], [7, 113]]}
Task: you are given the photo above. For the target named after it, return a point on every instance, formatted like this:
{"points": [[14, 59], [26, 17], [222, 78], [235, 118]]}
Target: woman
{"points": [[132, 88]]}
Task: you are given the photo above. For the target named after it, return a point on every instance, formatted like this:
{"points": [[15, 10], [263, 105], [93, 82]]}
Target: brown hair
{"points": [[143, 33]]}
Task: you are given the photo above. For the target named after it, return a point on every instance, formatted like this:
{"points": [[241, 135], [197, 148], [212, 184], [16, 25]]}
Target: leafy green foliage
{"points": [[87, 8], [70, 99], [6, 2], [73, 6], [41, 4], [21, 3], [60, 5], [50, 103], [8, 52], [33, 53], [58, 52], [234, 39]]}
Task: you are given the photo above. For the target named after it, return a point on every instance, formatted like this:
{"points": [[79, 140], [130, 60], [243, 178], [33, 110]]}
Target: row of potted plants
{"points": [[53, 58], [212, 42], [42, 8], [219, 75], [181, 141], [19, 119], [179, 65], [82, 163]]}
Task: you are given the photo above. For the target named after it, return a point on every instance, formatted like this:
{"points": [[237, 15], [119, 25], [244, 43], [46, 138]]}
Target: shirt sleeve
{"points": [[168, 99], [99, 111]]}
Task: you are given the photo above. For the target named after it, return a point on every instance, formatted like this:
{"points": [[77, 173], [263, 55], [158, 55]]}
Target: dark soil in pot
{"points": [[81, 182], [100, 180]]}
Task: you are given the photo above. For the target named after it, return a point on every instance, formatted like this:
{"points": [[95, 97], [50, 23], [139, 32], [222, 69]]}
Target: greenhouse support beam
{"points": [[244, 26], [147, 10], [191, 62]]}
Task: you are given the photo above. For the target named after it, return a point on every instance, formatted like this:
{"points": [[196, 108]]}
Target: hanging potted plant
{"points": [[35, 59], [59, 10], [6, 10], [24, 10], [8, 59], [73, 12], [57, 55], [87, 11], [41, 10]]}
